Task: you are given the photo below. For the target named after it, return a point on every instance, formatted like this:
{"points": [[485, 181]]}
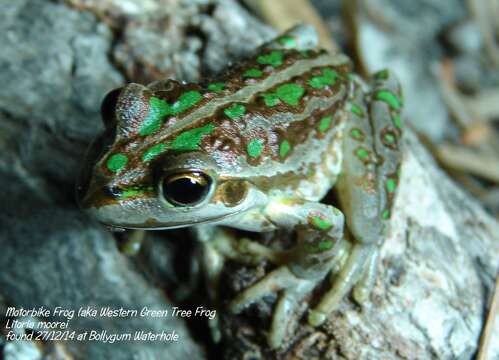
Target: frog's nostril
{"points": [[113, 191]]}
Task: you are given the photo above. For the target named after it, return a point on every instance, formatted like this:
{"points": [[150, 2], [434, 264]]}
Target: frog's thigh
{"points": [[343, 282], [367, 186], [293, 291], [371, 159], [320, 229]]}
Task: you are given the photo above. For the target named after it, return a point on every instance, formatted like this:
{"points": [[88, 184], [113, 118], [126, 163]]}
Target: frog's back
{"points": [[280, 104], [271, 117]]}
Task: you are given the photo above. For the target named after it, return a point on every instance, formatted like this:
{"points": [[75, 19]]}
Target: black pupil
{"points": [[186, 190]]}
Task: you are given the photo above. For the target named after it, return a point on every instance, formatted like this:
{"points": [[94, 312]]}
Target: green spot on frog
{"points": [[357, 134], [255, 147], [362, 153], [190, 139], [391, 185], [397, 121], [389, 138], [328, 77], [385, 214], [325, 245], [153, 151], [217, 87], [388, 97], [309, 248], [320, 223], [287, 41], [284, 148], [270, 99], [116, 162], [186, 101], [381, 75], [253, 73], [356, 109], [320, 247], [290, 94], [133, 192], [158, 108], [273, 59], [235, 111], [325, 123]]}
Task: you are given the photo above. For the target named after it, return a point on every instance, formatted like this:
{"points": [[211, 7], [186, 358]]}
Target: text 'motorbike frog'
{"points": [[257, 149]]}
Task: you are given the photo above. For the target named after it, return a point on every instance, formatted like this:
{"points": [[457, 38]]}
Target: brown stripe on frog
{"points": [[278, 140], [259, 67], [291, 179], [298, 132], [167, 106], [177, 124], [292, 95], [117, 194], [247, 91], [138, 156]]}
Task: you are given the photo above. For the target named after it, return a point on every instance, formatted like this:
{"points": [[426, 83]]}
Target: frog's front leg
{"points": [[219, 244], [367, 186], [319, 229]]}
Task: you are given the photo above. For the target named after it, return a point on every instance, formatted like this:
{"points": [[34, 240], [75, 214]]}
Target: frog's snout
{"points": [[97, 203]]}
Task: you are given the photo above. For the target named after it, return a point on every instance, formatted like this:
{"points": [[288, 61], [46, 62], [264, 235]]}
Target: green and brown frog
{"points": [[257, 149]]}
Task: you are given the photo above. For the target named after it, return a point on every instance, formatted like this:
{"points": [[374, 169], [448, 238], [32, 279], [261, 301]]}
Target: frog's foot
{"points": [[293, 290], [247, 251], [257, 252], [359, 273]]}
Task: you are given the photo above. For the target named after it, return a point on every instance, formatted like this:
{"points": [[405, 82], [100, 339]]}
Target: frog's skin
{"points": [[257, 150]]}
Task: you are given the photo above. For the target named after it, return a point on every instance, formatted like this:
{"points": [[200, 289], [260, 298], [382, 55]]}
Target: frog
{"points": [[257, 148]]}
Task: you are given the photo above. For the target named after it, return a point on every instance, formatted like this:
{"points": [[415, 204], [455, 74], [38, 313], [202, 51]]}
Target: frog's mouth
{"points": [[152, 224], [141, 216]]}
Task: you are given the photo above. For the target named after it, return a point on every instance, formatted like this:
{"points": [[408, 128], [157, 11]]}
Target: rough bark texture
{"points": [[58, 59]]}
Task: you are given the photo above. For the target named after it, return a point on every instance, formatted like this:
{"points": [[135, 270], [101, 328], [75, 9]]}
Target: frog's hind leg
{"points": [[299, 37], [219, 244], [367, 186]]}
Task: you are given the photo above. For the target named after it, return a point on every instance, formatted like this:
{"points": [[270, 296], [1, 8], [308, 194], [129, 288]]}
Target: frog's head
{"points": [[153, 168]]}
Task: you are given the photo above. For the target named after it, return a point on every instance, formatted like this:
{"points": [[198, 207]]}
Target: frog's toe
{"points": [[363, 288], [293, 289], [354, 269], [256, 251], [270, 284], [285, 310]]}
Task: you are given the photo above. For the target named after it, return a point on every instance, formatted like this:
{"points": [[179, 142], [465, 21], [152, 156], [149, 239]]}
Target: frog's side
{"points": [[257, 150]]}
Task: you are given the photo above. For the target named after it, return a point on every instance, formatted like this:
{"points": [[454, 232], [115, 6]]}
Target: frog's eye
{"points": [[108, 107], [186, 188]]}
